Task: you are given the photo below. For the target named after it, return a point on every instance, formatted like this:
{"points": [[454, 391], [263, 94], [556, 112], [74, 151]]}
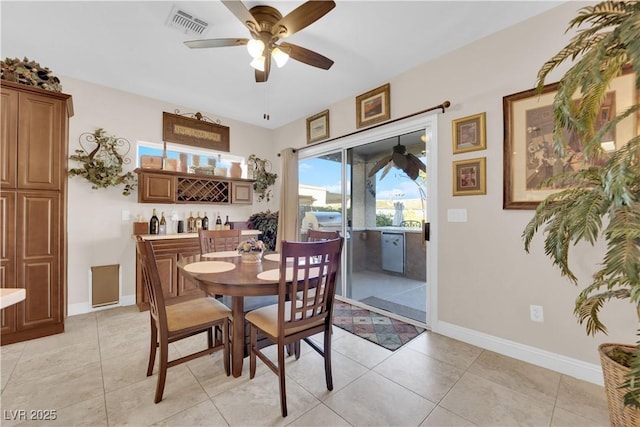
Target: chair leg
{"points": [[152, 347], [297, 346], [162, 373], [253, 342], [225, 350], [327, 359], [281, 376], [210, 337]]}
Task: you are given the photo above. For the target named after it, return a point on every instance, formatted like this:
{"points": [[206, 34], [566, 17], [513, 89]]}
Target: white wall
{"points": [[97, 235], [486, 280]]}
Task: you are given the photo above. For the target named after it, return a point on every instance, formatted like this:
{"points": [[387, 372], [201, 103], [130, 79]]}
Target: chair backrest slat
{"points": [[317, 235], [218, 240], [152, 282]]}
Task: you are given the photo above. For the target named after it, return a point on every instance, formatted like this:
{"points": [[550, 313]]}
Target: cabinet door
{"points": [[156, 188], [8, 138], [42, 152], [7, 256], [39, 248], [242, 193]]}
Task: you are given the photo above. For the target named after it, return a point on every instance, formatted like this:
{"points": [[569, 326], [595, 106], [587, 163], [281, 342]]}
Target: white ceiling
{"points": [[127, 45]]}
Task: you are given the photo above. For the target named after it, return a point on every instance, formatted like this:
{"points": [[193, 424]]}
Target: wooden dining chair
{"points": [[174, 322], [317, 235], [218, 240], [314, 267]]}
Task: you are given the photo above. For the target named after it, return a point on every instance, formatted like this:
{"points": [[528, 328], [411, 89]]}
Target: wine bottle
{"points": [[198, 222], [227, 224], [218, 223], [162, 229], [154, 224], [205, 222], [191, 223]]}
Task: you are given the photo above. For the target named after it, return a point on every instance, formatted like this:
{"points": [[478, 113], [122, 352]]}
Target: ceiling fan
{"points": [[407, 162], [267, 26]]}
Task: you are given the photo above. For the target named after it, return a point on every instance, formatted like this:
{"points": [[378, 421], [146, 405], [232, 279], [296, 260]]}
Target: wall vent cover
{"points": [[186, 22]]}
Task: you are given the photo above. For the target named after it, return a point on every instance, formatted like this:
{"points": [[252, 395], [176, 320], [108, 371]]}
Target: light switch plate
{"points": [[457, 215], [126, 215]]}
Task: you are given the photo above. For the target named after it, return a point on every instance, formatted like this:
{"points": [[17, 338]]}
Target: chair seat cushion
{"points": [[195, 312], [266, 319]]}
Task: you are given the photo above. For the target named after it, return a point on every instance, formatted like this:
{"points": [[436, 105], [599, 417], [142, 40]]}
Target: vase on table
{"points": [[236, 170], [252, 257]]}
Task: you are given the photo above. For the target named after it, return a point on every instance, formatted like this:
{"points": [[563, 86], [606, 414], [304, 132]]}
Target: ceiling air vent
{"points": [[186, 22]]}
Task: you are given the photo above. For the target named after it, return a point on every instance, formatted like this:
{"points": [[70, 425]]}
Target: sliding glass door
{"points": [[373, 189]]}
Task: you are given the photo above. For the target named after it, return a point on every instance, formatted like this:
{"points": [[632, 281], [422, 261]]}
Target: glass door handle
{"points": [[427, 231]]}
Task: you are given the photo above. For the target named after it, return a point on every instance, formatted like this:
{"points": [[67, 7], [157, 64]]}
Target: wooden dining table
{"points": [[240, 282]]}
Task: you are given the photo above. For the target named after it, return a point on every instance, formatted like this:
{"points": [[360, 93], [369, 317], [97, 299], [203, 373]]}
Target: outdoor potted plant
{"points": [[602, 199]]}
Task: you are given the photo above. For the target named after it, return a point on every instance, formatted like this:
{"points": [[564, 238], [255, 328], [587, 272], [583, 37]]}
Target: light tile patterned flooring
{"points": [[94, 375]]}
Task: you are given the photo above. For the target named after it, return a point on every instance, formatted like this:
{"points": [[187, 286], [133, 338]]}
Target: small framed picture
{"points": [[469, 133], [469, 177], [373, 106], [318, 127]]}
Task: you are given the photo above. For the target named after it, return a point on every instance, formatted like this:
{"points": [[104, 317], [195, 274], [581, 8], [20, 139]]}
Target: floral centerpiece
{"points": [[251, 250]]}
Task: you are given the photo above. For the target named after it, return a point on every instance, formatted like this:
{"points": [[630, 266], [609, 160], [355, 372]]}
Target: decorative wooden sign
{"points": [[195, 132]]}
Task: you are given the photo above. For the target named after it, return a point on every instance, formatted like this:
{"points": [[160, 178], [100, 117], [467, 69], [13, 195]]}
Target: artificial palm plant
{"points": [[602, 200]]}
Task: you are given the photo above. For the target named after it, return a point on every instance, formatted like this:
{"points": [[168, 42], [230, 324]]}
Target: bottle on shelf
{"points": [[198, 222], [218, 223], [162, 229], [154, 224], [227, 224], [205, 222], [191, 223]]}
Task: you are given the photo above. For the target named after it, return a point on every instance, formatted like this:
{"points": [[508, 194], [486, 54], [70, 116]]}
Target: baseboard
{"points": [[556, 362], [85, 307]]}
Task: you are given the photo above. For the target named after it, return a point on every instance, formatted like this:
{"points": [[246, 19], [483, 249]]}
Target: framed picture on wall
{"points": [[469, 133], [373, 106], [529, 155], [318, 127], [470, 177]]}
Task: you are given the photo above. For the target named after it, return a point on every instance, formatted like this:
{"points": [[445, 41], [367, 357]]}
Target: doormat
{"points": [[382, 330]]}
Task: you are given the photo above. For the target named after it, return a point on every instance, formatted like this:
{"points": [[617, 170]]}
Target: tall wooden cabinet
{"points": [[33, 205]]}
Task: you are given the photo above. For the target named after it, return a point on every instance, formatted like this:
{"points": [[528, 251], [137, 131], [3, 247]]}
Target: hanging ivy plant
{"points": [[265, 179], [102, 166]]}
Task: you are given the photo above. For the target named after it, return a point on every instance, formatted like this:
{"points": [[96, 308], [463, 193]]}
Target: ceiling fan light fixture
{"points": [[255, 48], [279, 56], [258, 63]]}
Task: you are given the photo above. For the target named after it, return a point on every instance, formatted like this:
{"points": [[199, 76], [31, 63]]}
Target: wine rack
{"points": [[201, 190], [157, 186]]}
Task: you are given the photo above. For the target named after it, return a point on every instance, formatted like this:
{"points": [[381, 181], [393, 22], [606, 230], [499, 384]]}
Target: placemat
{"points": [[274, 274], [277, 258], [221, 254], [209, 267]]}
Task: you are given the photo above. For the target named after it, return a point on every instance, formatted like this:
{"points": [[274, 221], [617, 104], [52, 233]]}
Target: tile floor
{"points": [[94, 375]]}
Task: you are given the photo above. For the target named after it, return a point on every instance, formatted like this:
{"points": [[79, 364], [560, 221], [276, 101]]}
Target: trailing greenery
{"points": [[601, 201], [103, 166], [267, 223], [263, 178]]}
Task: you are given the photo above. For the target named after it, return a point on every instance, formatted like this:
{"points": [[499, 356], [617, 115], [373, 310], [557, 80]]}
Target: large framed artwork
{"points": [[373, 106], [529, 157]]}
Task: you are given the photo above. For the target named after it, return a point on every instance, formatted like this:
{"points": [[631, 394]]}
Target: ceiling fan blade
{"points": [[199, 44], [300, 17], [306, 56], [386, 170], [242, 13], [400, 160], [381, 163], [414, 159], [263, 76]]}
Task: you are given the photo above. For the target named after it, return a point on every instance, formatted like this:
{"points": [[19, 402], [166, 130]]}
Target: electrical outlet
{"points": [[537, 313]]}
